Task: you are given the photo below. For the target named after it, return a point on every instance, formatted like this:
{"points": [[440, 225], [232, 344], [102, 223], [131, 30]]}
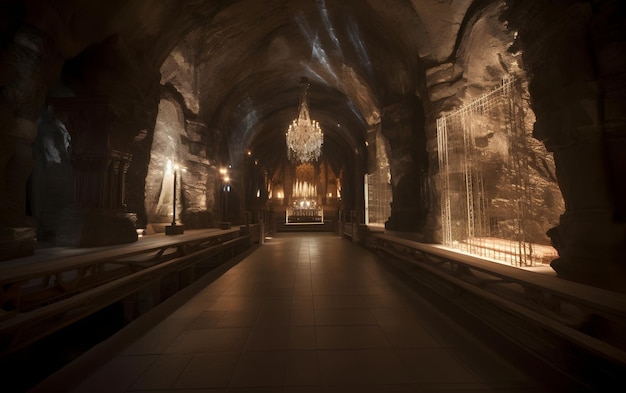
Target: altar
{"points": [[297, 215], [304, 207], [305, 194]]}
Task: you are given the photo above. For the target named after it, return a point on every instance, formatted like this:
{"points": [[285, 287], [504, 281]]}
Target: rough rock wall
{"points": [[168, 131], [182, 137], [482, 59], [182, 142], [201, 177]]}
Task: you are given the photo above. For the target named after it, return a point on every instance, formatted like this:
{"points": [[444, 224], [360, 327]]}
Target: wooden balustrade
{"points": [[40, 298]]}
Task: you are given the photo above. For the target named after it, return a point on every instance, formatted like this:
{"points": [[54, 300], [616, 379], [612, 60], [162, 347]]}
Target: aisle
{"points": [[306, 313]]}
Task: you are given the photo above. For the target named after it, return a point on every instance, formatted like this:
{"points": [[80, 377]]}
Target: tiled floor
{"points": [[306, 313]]}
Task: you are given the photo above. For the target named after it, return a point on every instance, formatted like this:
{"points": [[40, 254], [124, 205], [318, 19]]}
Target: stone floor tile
{"points": [[115, 376], [209, 340], [207, 320], [302, 369], [344, 317], [435, 365], [409, 335], [242, 319], [260, 368], [351, 337], [268, 338], [208, 370], [163, 372], [362, 367], [302, 317], [302, 337], [307, 313]]}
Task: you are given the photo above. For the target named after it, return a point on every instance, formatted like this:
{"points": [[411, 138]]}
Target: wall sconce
{"points": [[224, 224]]}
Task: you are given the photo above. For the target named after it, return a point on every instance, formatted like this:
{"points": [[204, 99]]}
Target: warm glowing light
{"points": [[304, 136], [330, 194], [303, 189], [223, 171], [279, 195], [171, 167]]}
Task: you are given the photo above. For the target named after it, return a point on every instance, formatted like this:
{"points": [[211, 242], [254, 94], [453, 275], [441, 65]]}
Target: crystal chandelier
{"points": [[304, 136]]}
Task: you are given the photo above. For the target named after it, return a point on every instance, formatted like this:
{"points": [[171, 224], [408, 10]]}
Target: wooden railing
{"points": [[40, 298], [590, 319]]}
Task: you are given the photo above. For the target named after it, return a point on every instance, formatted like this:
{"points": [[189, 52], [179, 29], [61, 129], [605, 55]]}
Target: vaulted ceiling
{"points": [[359, 55]]}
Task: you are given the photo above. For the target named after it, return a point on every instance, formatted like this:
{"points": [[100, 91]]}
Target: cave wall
{"points": [[573, 51], [182, 136], [31, 63], [482, 60], [182, 142], [570, 52], [165, 152]]}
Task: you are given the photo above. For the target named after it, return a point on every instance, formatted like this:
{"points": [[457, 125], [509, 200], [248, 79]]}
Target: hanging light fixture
{"points": [[304, 136]]}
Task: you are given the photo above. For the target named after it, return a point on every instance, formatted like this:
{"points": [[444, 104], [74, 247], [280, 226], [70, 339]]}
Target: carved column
{"points": [[568, 97], [99, 214], [29, 64]]}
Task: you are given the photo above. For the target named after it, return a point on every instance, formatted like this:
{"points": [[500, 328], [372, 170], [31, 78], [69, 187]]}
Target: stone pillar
{"points": [[114, 113], [568, 95], [195, 181], [30, 64], [408, 163], [444, 85]]}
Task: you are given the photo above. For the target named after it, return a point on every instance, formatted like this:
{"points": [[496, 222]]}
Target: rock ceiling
{"points": [[360, 55]]}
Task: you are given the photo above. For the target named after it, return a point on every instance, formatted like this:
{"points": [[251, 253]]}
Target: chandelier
{"points": [[304, 136]]}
